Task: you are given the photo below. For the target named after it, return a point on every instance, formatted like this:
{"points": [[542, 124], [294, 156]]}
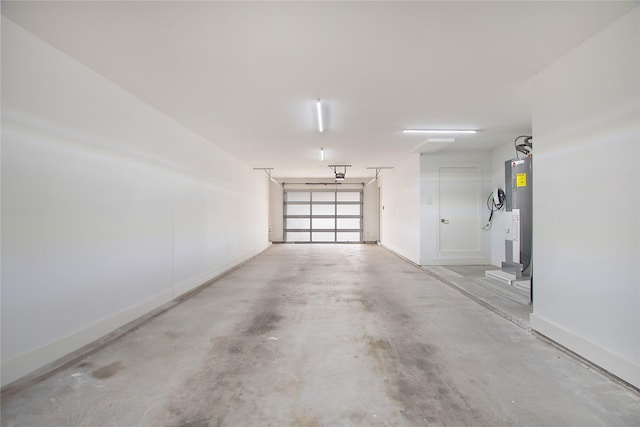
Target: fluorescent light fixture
{"points": [[319, 111], [322, 154], [446, 139], [438, 131]]}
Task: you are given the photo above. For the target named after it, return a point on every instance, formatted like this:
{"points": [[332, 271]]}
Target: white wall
{"points": [[586, 247], [430, 208], [400, 203], [276, 200], [370, 211], [109, 208]]}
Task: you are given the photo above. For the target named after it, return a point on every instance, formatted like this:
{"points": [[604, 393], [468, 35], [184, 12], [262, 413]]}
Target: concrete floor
{"points": [[322, 335], [506, 300]]}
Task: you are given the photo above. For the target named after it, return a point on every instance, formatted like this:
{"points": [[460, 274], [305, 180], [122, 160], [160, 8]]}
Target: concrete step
{"points": [[523, 285], [501, 276]]}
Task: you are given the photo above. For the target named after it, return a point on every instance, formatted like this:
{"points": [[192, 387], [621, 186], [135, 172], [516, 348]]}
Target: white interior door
{"points": [[460, 211]]}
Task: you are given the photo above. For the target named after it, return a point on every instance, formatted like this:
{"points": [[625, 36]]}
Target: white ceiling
{"points": [[245, 75]]}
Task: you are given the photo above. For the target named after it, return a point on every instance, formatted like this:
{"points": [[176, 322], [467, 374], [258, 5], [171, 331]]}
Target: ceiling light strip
{"points": [[439, 131], [319, 111], [446, 139]]}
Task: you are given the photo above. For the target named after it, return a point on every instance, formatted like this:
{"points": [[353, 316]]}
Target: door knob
{"points": [[444, 221]]}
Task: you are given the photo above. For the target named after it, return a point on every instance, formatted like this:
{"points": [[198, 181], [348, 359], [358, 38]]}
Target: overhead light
{"points": [[322, 154], [319, 112], [446, 139], [438, 131]]}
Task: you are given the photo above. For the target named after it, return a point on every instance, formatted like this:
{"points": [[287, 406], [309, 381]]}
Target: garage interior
{"points": [[311, 213]]}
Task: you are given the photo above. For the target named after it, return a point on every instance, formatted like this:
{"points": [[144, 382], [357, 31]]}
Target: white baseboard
{"points": [[456, 261], [27, 363], [214, 274], [401, 255], [618, 366]]}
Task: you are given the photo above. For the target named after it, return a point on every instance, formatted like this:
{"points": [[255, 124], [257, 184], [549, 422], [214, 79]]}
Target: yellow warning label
{"points": [[521, 180]]}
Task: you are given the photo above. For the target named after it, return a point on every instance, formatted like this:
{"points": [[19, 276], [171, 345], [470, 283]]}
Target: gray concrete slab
{"points": [[506, 300], [324, 335]]}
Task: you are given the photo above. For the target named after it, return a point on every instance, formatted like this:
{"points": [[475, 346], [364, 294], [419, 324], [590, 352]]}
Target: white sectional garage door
{"points": [[323, 216]]}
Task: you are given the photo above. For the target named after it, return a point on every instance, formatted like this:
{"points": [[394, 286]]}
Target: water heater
{"points": [[519, 201]]}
